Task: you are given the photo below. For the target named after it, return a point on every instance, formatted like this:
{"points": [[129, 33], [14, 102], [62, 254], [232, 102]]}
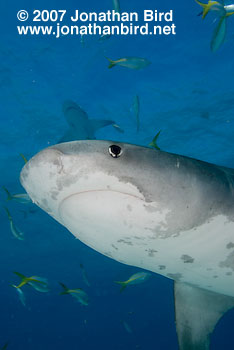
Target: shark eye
{"points": [[115, 151]]}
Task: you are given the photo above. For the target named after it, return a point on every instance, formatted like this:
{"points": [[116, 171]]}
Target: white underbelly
{"points": [[120, 226]]}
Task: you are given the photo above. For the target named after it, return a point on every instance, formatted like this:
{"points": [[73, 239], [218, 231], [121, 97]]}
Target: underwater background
{"points": [[187, 92]]}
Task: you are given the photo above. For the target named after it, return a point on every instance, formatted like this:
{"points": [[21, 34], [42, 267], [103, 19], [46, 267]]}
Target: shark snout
{"points": [[41, 171]]}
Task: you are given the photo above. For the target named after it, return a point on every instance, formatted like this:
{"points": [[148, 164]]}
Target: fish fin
{"points": [[154, 141], [197, 311], [219, 34], [99, 123], [112, 63], [9, 196], [123, 285]]}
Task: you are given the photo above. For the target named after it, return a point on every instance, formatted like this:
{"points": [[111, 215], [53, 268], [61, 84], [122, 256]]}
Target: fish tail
{"points": [[23, 278], [9, 196], [154, 141], [123, 285], [65, 289], [112, 63], [206, 7]]}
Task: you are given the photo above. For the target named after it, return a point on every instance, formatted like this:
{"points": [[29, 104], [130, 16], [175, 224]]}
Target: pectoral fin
{"points": [[70, 135], [197, 311], [99, 123]]}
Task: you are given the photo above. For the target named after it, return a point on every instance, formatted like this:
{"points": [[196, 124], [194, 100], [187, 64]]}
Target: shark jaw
{"points": [[106, 221]]}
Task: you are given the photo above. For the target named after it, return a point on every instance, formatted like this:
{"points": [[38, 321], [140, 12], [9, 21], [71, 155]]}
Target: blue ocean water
{"points": [[187, 93]]}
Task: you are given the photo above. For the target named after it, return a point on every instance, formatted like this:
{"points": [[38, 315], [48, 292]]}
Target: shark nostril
{"points": [[115, 151]]}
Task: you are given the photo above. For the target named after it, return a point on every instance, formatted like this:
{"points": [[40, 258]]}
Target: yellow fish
{"points": [[137, 278], [78, 293], [130, 62], [14, 229], [38, 283], [20, 198]]}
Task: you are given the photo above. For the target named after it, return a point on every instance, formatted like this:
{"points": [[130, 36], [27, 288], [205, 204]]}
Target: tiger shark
{"points": [[81, 127], [162, 212]]}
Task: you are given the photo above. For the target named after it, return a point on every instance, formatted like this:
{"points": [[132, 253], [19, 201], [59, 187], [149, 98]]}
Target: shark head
{"points": [[97, 189], [136, 205], [163, 212]]}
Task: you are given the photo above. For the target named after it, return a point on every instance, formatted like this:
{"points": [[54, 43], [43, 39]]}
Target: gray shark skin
{"points": [[163, 212], [80, 126]]}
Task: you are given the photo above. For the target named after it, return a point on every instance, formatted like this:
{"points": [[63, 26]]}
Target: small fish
{"points": [[154, 141], [223, 10], [20, 198], [84, 275], [130, 62], [136, 110], [24, 158], [21, 296], [137, 278], [78, 294], [14, 229], [104, 37], [219, 33], [126, 326], [116, 6], [38, 283]]}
